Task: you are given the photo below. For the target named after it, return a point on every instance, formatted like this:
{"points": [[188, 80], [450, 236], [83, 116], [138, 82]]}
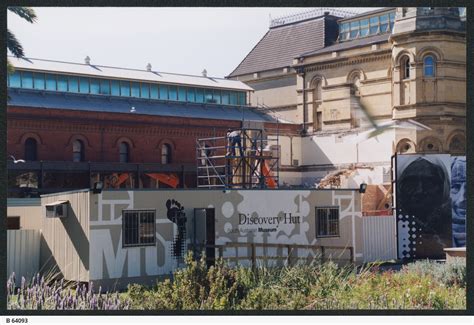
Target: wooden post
{"points": [[323, 257], [351, 251], [288, 247], [254, 260]]}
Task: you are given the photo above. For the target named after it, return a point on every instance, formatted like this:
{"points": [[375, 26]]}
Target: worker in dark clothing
{"points": [[233, 139]]}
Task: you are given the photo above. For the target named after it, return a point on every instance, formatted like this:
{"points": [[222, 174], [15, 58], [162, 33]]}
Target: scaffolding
{"points": [[252, 162]]}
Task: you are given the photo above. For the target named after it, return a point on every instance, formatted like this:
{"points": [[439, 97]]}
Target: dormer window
{"points": [[367, 26]]}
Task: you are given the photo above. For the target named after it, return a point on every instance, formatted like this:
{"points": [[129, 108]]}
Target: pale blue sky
{"points": [[179, 40]]}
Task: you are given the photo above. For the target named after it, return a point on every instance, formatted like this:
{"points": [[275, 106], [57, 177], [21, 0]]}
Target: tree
{"points": [[13, 44]]}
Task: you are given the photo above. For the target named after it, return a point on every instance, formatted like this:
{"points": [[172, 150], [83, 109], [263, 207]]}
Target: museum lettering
{"points": [[288, 218]]}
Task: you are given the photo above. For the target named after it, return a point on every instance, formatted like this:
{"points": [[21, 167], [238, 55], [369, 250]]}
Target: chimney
{"points": [[204, 73], [87, 60], [148, 67]]}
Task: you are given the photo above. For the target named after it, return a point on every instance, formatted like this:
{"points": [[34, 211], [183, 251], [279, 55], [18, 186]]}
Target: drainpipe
{"points": [[304, 101]]}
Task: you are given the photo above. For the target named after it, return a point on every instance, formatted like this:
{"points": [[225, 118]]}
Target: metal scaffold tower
{"points": [[252, 162]]}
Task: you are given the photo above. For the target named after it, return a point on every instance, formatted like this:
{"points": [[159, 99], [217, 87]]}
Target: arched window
{"points": [[31, 150], [77, 151], [124, 152], [405, 67], [165, 154], [429, 66], [457, 145], [356, 85]]}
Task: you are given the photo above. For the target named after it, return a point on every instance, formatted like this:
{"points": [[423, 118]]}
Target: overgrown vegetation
{"points": [[420, 285]]}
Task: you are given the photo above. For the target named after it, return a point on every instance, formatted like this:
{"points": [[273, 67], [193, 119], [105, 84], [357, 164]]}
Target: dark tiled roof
{"points": [[350, 44], [31, 98], [282, 44]]}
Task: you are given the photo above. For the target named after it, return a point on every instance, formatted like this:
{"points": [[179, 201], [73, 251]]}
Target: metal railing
{"points": [[322, 252]]}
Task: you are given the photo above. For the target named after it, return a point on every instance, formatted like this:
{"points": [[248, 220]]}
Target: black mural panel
{"points": [[176, 215], [458, 200], [423, 206]]}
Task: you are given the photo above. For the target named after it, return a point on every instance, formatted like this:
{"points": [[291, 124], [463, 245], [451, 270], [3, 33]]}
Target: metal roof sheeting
{"points": [[45, 99], [127, 74]]}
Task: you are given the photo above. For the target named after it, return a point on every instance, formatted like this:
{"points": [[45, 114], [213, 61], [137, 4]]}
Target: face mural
{"points": [[458, 200], [423, 205]]}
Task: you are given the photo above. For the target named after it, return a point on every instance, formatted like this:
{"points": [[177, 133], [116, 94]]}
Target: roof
{"points": [[281, 44], [124, 73], [97, 103], [359, 42]]}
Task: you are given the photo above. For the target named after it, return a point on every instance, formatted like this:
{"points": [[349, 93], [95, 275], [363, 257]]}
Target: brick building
{"points": [[75, 124]]}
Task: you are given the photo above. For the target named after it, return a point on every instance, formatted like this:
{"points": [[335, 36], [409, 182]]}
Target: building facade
{"points": [[373, 71], [75, 124]]}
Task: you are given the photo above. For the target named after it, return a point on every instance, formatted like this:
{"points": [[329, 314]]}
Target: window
{"points": [[135, 89], [84, 85], [95, 86], [164, 92], [13, 223], [233, 98], [30, 149], [374, 25], [15, 79], [182, 94], [50, 82], [173, 93], [429, 66], [327, 221], [27, 80], [217, 96], [225, 97], [115, 88], [199, 96], [62, 83], [77, 151], [125, 88], [39, 81], [105, 87], [124, 152], [209, 96], [405, 67], [383, 23], [364, 27], [165, 154], [145, 91], [138, 227], [191, 95], [242, 99], [73, 84], [154, 91], [354, 29]]}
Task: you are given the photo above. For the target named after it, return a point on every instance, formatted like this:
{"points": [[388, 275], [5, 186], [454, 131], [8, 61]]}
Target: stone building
{"points": [[354, 82]]}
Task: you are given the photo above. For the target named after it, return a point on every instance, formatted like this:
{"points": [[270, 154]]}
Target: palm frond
{"points": [[10, 67], [26, 13], [14, 45]]}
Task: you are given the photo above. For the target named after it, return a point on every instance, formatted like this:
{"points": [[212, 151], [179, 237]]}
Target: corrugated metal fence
{"points": [[23, 253], [380, 241]]}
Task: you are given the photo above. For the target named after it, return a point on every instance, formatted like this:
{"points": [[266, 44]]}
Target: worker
{"points": [[233, 139]]}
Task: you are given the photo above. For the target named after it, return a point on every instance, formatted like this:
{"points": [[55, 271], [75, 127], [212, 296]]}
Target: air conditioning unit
{"points": [[57, 209]]}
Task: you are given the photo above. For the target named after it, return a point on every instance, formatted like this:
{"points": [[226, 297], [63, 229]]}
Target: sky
{"points": [[178, 40]]}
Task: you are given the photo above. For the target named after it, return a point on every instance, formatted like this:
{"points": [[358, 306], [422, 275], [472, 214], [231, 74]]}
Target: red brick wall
{"points": [[102, 132]]}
